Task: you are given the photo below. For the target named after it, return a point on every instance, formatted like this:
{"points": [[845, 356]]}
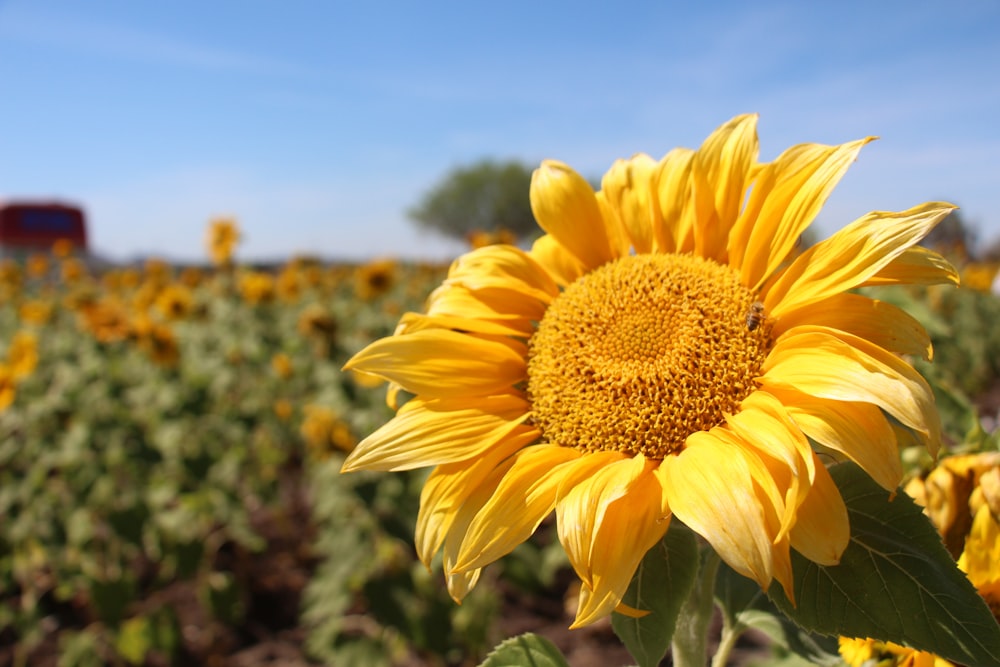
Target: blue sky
{"points": [[317, 124]]}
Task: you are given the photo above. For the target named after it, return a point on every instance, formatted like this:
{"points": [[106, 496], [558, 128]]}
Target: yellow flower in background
{"points": [[952, 493], [256, 287], [175, 302], [221, 240], [864, 652], [283, 409], [289, 284], [8, 389], [157, 272], [979, 275], [35, 311], [375, 278], [72, 270], [157, 340], [479, 238], [282, 366], [191, 277], [107, 320], [22, 355], [659, 353], [62, 248], [322, 429], [37, 265]]}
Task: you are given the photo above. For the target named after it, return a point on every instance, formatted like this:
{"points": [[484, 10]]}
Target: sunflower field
{"points": [[171, 439]]}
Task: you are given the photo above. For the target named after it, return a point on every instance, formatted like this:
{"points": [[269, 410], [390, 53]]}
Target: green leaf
{"points": [[895, 582], [744, 605], [660, 586], [527, 650]]}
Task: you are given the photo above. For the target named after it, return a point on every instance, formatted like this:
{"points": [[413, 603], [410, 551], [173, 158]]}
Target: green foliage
{"points": [[895, 582], [660, 586], [527, 650], [487, 196]]}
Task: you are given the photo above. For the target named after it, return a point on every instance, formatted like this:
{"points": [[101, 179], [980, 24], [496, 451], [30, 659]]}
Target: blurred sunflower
{"points": [[375, 278], [861, 652], [108, 320], [175, 301], [8, 389], [37, 265], [658, 353], [35, 311], [256, 287], [222, 238], [22, 354], [157, 340]]}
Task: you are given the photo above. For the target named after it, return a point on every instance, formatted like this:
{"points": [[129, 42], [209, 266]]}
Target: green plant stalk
{"points": [[690, 643]]}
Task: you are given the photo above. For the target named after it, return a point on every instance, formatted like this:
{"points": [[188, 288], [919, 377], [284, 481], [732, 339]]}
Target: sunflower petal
{"points": [[703, 485], [834, 365], [434, 431], [822, 530], [447, 487], [851, 256], [720, 174], [524, 497], [503, 266], [620, 511], [438, 363], [559, 262], [675, 230], [787, 195], [857, 430], [916, 266], [565, 206], [629, 190], [881, 323]]}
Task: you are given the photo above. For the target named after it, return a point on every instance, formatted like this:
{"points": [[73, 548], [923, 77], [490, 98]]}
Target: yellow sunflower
{"points": [[662, 351]]}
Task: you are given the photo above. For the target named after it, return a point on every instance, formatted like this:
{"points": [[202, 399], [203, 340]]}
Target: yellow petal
{"points": [[720, 174], [565, 206], [447, 487], [629, 189], [675, 231], [621, 514], [413, 322], [710, 487], [881, 323], [786, 196], [594, 481], [559, 262], [859, 431], [434, 431], [822, 530], [438, 363], [851, 256], [916, 266], [834, 365], [763, 423], [503, 267], [524, 497]]}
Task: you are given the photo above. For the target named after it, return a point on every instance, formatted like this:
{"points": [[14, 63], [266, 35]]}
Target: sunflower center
{"points": [[642, 352]]}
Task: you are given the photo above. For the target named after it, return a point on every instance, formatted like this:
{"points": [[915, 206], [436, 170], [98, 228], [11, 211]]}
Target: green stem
{"points": [[690, 643], [726, 643]]}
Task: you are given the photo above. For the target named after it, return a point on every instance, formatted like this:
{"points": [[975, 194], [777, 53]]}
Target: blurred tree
{"points": [[954, 237], [486, 197]]}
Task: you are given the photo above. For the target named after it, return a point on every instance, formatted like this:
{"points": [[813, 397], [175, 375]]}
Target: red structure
{"points": [[35, 226]]}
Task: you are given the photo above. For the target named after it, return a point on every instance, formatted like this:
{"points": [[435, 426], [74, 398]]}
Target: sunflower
{"points": [[662, 351], [221, 240]]}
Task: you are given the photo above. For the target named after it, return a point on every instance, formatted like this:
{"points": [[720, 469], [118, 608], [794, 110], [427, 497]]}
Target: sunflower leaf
{"points": [[660, 586], [529, 650], [895, 582]]}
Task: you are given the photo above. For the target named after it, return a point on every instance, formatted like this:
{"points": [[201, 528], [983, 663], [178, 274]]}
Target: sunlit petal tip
{"points": [[631, 612]]}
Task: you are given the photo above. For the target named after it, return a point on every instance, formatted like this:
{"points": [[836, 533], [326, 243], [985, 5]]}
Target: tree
{"points": [[485, 197]]}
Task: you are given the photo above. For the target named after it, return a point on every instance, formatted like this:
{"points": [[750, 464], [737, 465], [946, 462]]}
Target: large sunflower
{"points": [[662, 351]]}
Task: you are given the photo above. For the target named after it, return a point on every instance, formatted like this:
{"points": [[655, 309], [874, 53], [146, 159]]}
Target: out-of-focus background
{"points": [[207, 208]]}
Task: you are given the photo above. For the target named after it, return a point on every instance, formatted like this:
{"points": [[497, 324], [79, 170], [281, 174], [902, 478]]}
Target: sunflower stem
{"points": [[690, 643]]}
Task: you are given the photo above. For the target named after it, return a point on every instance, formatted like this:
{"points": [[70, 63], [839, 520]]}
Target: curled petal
{"points": [[559, 262], [566, 207], [629, 187]]}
